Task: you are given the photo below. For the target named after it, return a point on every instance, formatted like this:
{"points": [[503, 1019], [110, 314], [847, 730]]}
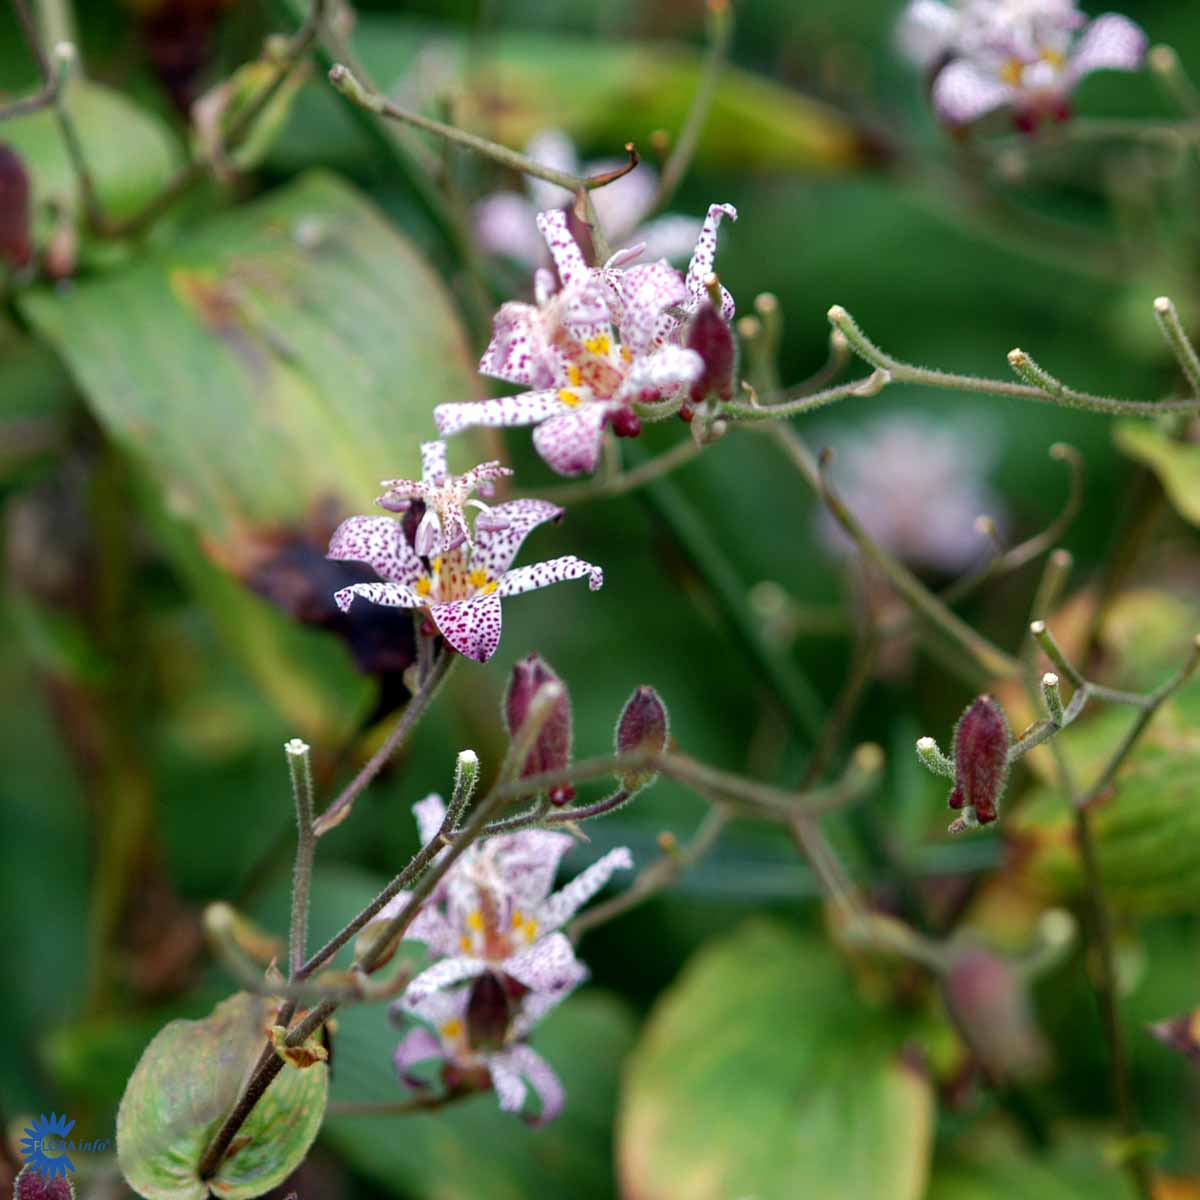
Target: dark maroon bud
{"points": [[488, 1013], [710, 336], [989, 999], [552, 750], [981, 744], [16, 245], [428, 628], [625, 423], [563, 794], [642, 728], [32, 1184], [687, 414], [1026, 120]]}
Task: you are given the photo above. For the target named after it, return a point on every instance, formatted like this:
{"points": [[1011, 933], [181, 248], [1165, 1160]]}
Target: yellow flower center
{"points": [[1012, 71], [568, 397]]}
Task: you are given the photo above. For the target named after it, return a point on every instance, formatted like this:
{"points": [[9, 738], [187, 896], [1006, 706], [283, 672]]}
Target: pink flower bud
{"points": [[488, 1013], [552, 750], [32, 1184], [712, 339], [16, 246], [981, 743], [642, 728]]}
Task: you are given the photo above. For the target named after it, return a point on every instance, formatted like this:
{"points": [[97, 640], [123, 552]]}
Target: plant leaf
{"points": [[186, 1082], [1177, 464], [761, 1073]]}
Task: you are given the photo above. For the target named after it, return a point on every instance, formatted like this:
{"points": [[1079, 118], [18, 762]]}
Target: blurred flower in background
{"points": [[1027, 55], [918, 484], [504, 221]]}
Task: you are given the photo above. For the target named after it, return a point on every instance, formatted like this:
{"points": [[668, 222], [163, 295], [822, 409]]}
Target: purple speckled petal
{"points": [[433, 462], [646, 293], [472, 626], [431, 927], [495, 549], [527, 408], [417, 1046], [570, 442], [395, 595], [444, 973], [549, 965], [704, 255], [543, 574], [509, 1070], [667, 372], [962, 93], [535, 1006], [566, 902], [568, 258], [380, 543], [529, 861], [1110, 43], [520, 350]]}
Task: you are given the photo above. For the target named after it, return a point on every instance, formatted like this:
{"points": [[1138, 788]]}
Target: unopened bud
{"points": [[32, 1184], [16, 245], [642, 729], [489, 1011], [712, 339], [625, 423], [981, 742], [552, 750]]}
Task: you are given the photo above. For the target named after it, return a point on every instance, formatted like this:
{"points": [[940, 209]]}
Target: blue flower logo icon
{"points": [[38, 1146]]}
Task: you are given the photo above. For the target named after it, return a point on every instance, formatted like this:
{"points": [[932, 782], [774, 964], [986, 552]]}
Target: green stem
{"points": [[300, 769]]}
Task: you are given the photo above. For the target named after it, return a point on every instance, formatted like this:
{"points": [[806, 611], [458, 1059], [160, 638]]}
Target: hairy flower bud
{"points": [[981, 743], [33, 1184], [489, 1011], [642, 729], [16, 246], [552, 750], [710, 336]]}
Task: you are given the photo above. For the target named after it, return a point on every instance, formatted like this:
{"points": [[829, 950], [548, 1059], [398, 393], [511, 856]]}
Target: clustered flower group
{"points": [[1027, 55]]}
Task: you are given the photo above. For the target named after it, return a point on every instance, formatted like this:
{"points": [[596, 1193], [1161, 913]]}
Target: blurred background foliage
{"points": [[183, 418]]}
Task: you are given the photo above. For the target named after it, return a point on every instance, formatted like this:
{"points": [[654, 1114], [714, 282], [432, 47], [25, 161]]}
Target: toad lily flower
{"points": [[1027, 55], [591, 349], [459, 589], [495, 912], [474, 1037], [443, 527]]}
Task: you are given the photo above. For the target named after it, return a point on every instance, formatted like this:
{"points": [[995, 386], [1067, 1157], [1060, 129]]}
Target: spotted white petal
{"points": [[394, 595], [666, 372], [417, 1046], [433, 462], [705, 254], [566, 902], [495, 548], [380, 543], [1110, 43], [963, 92], [568, 258], [444, 973], [548, 965], [431, 927], [529, 861], [534, 1007], [526, 408], [570, 442], [646, 293], [472, 626], [553, 570], [511, 1067]]}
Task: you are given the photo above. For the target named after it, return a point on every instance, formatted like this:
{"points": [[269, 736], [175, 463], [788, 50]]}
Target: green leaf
{"points": [[266, 373], [761, 1073], [1177, 464], [1007, 1176], [188, 1079], [130, 153]]}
